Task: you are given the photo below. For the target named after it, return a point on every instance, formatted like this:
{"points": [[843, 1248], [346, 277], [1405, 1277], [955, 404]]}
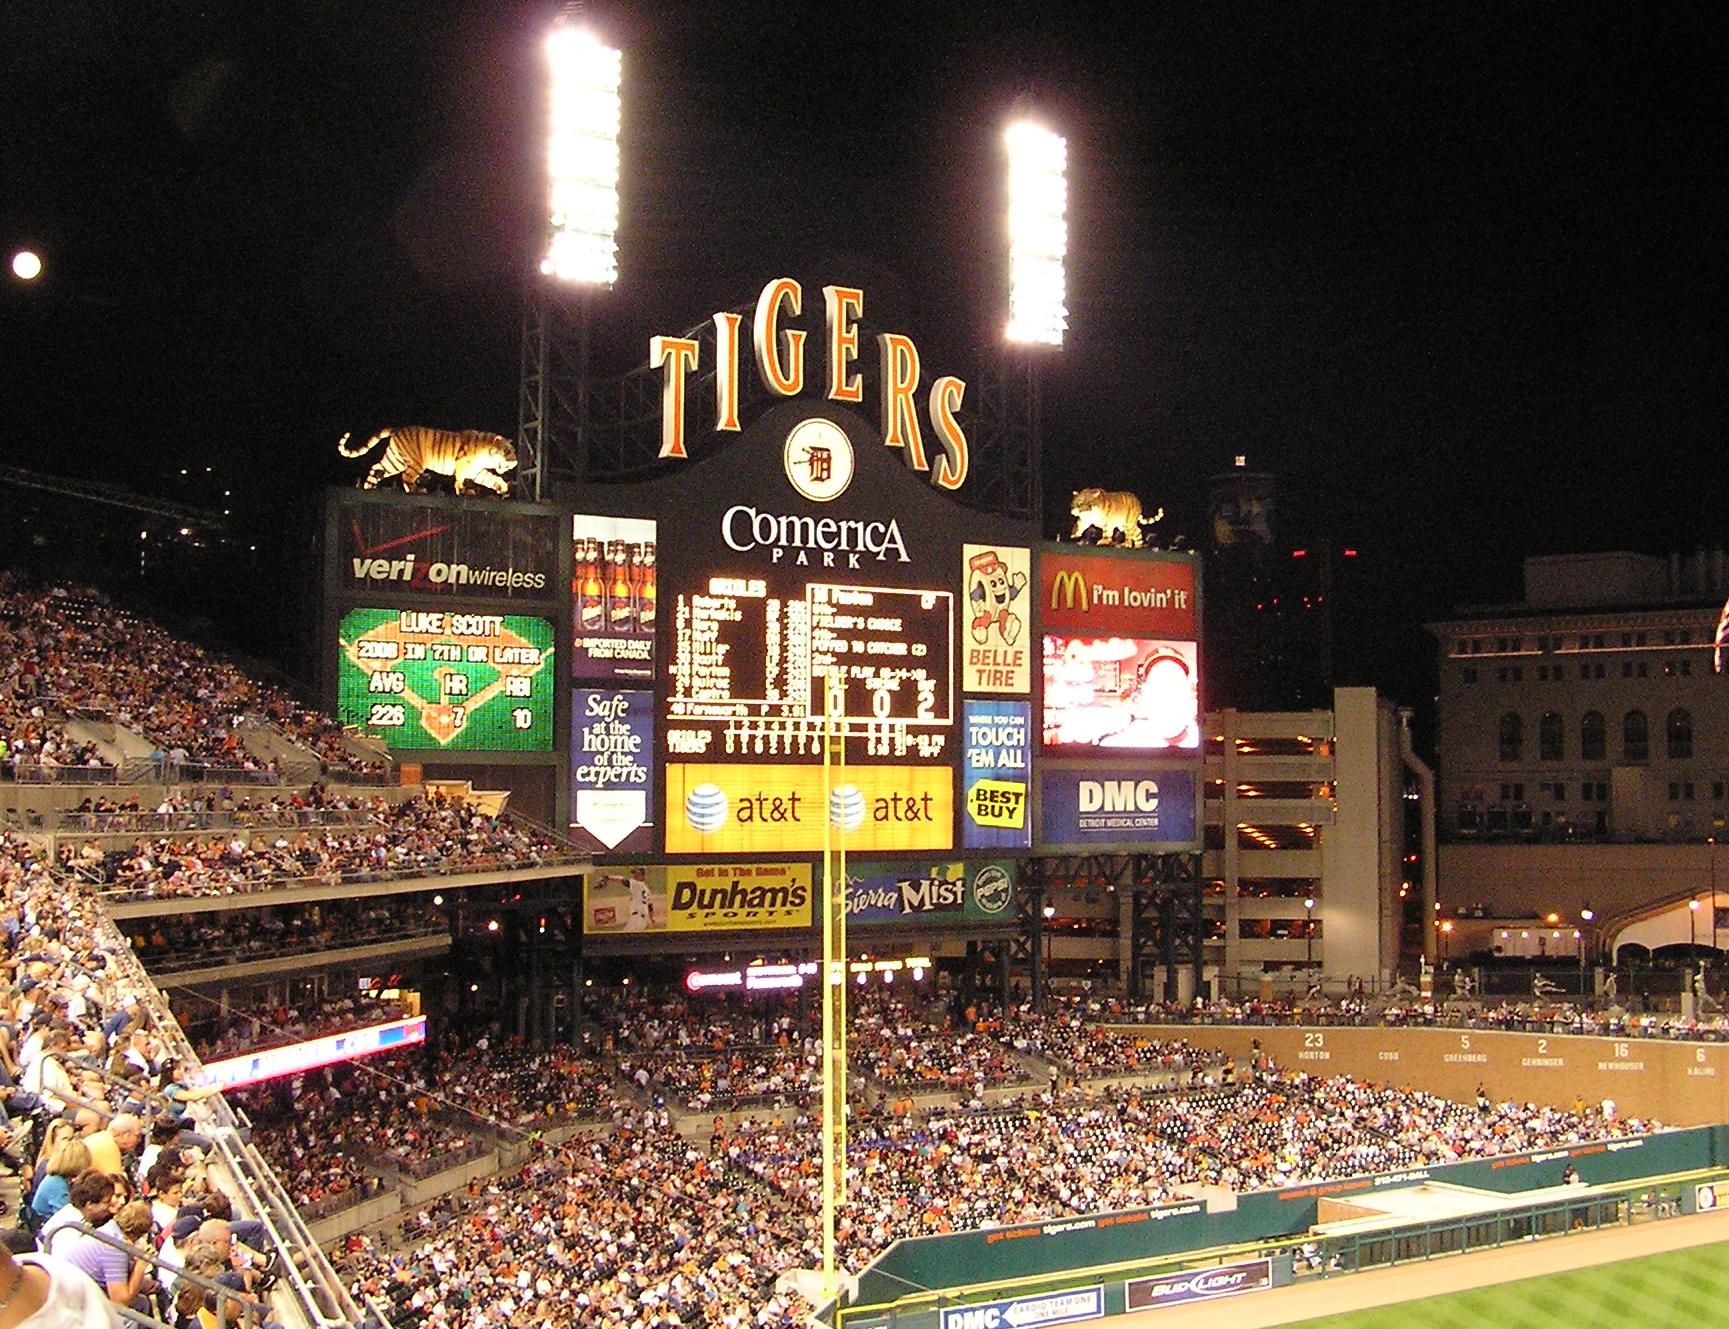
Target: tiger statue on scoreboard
{"points": [[472, 458], [1110, 511]]}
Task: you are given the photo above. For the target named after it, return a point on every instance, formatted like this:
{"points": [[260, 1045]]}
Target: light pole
{"points": [[1586, 915], [1446, 933], [1692, 936], [1711, 849], [1309, 932], [1050, 912]]}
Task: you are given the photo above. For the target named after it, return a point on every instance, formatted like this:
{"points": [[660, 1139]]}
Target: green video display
{"points": [[453, 682]]}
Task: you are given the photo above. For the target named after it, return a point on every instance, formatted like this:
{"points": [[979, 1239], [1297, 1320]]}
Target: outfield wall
{"points": [[962, 1259], [1679, 1084]]}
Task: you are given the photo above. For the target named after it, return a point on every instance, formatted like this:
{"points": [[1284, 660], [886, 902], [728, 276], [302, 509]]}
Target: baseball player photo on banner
{"points": [[998, 654]]}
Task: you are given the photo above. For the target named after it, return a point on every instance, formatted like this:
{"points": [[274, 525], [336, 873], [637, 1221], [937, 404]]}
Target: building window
{"points": [[1678, 732], [1592, 745], [1512, 737], [1550, 745], [1635, 737]]}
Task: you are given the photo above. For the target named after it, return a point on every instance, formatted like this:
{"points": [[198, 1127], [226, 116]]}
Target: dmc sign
{"points": [[1118, 796], [1027, 1312]]}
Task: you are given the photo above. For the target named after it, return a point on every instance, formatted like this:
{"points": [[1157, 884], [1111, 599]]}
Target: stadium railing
{"points": [[85, 825], [35, 772], [214, 955], [444, 867], [318, 1291]]}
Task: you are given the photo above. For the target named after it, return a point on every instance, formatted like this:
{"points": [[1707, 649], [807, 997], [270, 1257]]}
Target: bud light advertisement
{"points": [[1122, 808]]}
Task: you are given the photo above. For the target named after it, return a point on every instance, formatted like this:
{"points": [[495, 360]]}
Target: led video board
{"points": [[433, 679], [1120, 692], [296, 1058], [751, 655]]}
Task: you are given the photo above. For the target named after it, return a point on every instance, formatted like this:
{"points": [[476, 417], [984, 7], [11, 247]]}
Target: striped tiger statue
{"points": [[472, 458]]}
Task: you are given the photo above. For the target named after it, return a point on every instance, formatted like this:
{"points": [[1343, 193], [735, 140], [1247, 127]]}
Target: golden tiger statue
{"points": [[1110, 511], [472, 458]]}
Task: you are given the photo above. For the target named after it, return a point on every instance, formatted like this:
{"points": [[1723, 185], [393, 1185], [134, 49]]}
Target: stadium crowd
{"points": [[69, 649], [428, 835], [97, 1119], [167, 945]]}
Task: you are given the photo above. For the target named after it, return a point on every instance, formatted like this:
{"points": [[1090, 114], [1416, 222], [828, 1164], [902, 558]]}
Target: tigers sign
{"points": [[779, 353]]}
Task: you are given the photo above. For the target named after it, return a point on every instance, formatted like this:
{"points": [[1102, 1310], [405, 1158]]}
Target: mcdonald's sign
{"points": [[1150, 594], [1069, 592]]}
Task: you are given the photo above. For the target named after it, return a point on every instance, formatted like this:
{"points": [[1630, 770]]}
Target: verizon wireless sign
{"points": [[408, 545], [1225, 1280]]}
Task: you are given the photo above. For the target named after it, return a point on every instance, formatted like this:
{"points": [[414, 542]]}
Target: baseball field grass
{"points": [[1683, 1289]]}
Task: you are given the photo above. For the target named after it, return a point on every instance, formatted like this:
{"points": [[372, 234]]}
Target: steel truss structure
{"points": [[576, 430], [1167, 929]]}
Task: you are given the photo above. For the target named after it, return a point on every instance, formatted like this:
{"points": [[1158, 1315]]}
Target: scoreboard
{"points": [[434, 679], [751, 655]]}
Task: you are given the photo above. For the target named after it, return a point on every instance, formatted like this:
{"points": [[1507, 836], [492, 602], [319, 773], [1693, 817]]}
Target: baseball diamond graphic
{"points": [[478, 682]]}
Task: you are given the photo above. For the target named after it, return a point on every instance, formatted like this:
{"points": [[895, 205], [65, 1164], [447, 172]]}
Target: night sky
{"points": [[1446, 269]]}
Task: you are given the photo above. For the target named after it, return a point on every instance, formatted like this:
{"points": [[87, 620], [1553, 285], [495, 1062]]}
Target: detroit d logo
{"points": [[818, 459]]}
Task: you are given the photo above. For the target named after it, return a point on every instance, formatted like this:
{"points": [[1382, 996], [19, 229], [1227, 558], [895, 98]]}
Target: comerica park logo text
{"points": [[746, 528]]}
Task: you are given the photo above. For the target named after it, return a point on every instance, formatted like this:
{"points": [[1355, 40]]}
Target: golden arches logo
{"points": [[1071, 589]]}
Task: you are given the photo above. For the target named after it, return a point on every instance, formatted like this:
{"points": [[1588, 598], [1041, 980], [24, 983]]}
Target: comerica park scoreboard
{"points": [[805, 559]]}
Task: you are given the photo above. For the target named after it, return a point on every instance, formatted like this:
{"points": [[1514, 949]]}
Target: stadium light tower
{"points": [[1038, 234], [584, 77], [582, 155]]}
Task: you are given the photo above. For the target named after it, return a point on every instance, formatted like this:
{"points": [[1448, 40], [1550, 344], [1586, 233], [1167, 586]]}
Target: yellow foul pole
{"points": [[833, 978]]}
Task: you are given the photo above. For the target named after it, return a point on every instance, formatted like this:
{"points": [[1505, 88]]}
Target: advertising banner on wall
{"points": [[997, 800], [997, 655], [918, 890], [1225, 1280], [1138, 593], [614, 598], [1121, 808], [611, 769], [714, 807], [708, 897], [403, 546], [433, 679]]}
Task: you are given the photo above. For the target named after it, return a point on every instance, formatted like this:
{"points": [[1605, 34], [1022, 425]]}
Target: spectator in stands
{"points": [[110, 1148], [70, 1158], [42, 1292]]}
